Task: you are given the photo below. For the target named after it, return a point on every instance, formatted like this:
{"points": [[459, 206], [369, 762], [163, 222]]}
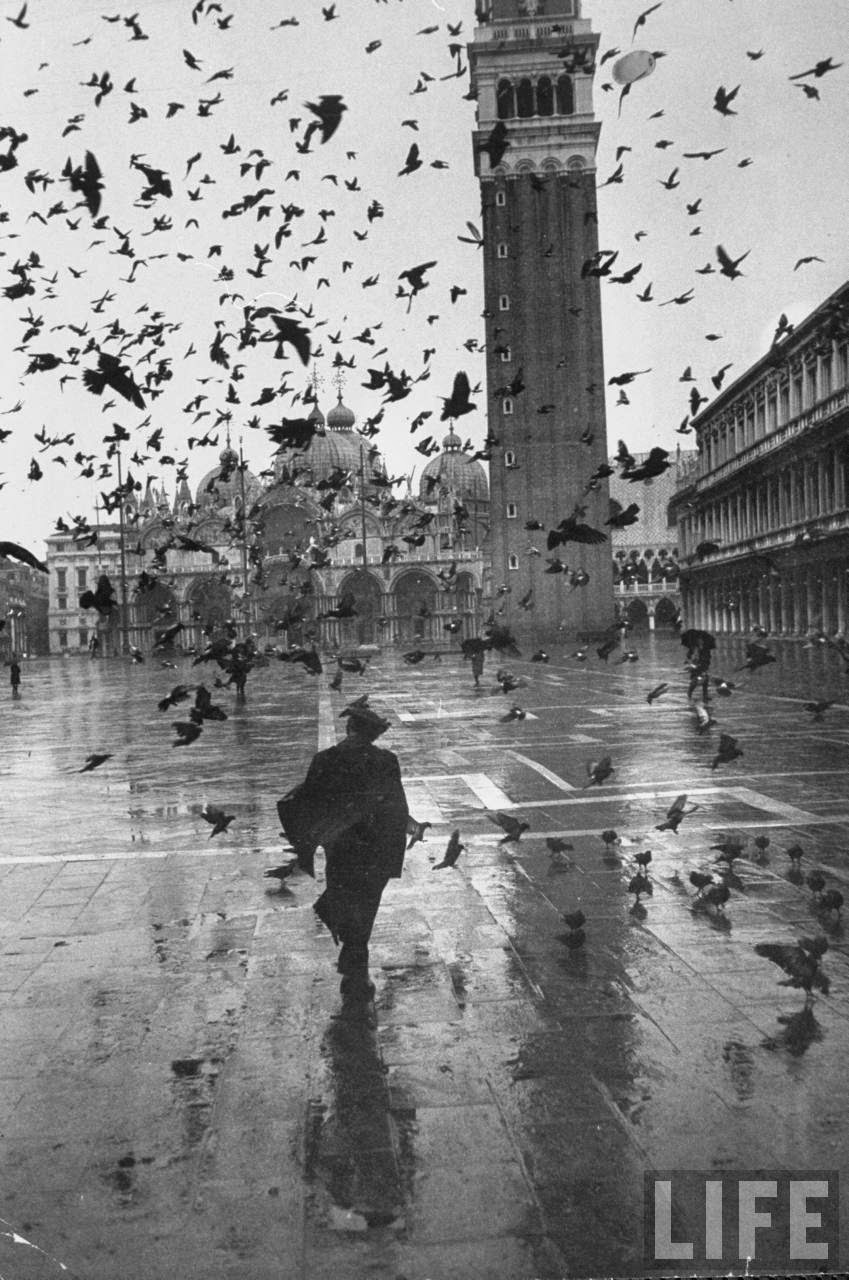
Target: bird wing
{"points": [[677, 805]]}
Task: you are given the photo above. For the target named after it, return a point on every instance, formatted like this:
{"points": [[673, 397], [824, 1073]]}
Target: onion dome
{"points": [[317, 417], [340, 417], [454, 469], [222, 486]]}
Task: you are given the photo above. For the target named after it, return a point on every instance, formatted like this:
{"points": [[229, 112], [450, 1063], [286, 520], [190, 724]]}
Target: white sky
{"points": [[788, 203]]}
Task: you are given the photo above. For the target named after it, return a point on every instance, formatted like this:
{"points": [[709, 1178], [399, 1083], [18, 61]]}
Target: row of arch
{"points": [[544, 97]]}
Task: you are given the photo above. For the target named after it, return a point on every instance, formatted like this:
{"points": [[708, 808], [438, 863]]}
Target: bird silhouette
{"points": [[512, 826], [452, 851], [217, 818], [599, 771]]}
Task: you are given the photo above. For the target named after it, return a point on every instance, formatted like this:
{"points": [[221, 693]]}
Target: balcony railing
{"points": [[648, 588], [776, 439], [779, 539]]}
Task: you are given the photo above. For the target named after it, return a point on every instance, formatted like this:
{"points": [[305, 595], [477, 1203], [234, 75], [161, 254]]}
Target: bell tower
{"points": [[532, 64]]}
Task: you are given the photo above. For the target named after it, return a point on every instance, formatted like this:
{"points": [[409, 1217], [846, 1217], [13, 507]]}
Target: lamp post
{"points": [[247, 595], [125, 637]]}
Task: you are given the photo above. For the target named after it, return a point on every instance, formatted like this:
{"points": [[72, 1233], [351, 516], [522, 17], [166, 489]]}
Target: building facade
{"points": [[763, 520], [23, 610], [645, 553], [323, 549], [532, 64]]}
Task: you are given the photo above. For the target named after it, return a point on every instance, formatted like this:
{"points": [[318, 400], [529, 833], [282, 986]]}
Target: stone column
{"points": [[826, 596]]}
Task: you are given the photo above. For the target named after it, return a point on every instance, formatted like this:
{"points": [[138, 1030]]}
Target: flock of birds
{"points": [[127, 354], [800, 961]]}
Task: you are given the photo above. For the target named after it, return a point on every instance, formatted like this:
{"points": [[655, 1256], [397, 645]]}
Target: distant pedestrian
{"points": [[15, 676], [352, 803], [475, 648], [94, 645], [700, 646]]}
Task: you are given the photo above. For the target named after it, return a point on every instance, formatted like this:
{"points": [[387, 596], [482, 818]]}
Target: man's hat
{"points": [[364, 716]]}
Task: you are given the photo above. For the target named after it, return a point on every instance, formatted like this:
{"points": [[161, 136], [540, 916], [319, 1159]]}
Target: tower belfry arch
{"points": [[532, 64]]}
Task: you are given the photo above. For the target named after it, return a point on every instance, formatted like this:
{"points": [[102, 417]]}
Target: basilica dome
{"points": [[334, 446], [455, 470], [222, 486]]}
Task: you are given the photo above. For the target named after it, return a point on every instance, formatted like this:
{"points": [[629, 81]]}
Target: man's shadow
{"points": [[350, 1157]]}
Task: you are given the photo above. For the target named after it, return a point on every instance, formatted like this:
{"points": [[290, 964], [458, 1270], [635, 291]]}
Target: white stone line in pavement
{"points": [[484, 837], [414, 717], [759, 801], [553, 778], [326, 722], [491, 796]]}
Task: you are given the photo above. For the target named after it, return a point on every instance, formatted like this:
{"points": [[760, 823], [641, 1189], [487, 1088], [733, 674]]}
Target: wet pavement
{"points": [[182, 1092]]}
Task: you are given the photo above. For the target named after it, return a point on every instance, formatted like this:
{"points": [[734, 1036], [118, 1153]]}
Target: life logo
{"points": [[765, 1219]]}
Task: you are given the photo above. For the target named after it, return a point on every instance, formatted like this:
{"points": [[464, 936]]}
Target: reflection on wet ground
{"points": [[182, 1091]]}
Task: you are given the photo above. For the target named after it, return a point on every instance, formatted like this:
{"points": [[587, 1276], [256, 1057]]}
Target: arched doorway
{"points": [[638, 615], [415, 606], [362, 628], [210, 607], [665, 614], [153, 609]]}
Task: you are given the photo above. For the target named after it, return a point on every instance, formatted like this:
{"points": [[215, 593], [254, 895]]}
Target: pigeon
{"points": [[187, 732], [416, 830], [728, 750], [716, 895], [640, 886], [217, 818], [282, 872], [515, 713], [574, 919], [643, 860], [801, 963], [817, 709], [757, 655], [675, 814], [795, 853], [831, 900], [657, 692], [701, 880], [761, 843], [815, 880], [610, 838], [512, 826], [94, 761], [598, 771], [452, 852]]}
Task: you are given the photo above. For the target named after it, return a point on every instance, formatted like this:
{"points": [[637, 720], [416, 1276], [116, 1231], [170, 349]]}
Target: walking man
{"points": [[15, 675], [355, 791]]}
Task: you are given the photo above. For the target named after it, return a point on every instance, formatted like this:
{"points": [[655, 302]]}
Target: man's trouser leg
{"points": [[356, 900]]}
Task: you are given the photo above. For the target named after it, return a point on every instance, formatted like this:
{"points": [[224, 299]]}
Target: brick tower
{"points": [[532, 65]]}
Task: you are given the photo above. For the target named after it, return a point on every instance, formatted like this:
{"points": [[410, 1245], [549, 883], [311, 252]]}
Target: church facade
{"points": [[324, 549]]}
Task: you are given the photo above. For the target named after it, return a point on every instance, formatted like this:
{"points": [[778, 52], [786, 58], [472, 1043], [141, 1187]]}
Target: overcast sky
{"points": [[777, 192]]}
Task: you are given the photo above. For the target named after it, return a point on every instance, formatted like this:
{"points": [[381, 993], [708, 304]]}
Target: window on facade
{"points": [[503, 302], [828, 482], [509, 458], [512, 511], [784, 405], [63, 639], [842, 366], [525, 99], [512, 561], [61, 579], [358, 551], [507, 406], [500, 199], [796, 395], [565, 96], [506, 100], [545, 97], [61, 602], [81, 577], [83, 637], [506, 355], [825, 376], [808, 387], [501, 249], [445, 542]]}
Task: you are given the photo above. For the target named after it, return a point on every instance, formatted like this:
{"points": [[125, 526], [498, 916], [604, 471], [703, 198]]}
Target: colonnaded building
{"points": [[325, 548], [763, 519]]}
